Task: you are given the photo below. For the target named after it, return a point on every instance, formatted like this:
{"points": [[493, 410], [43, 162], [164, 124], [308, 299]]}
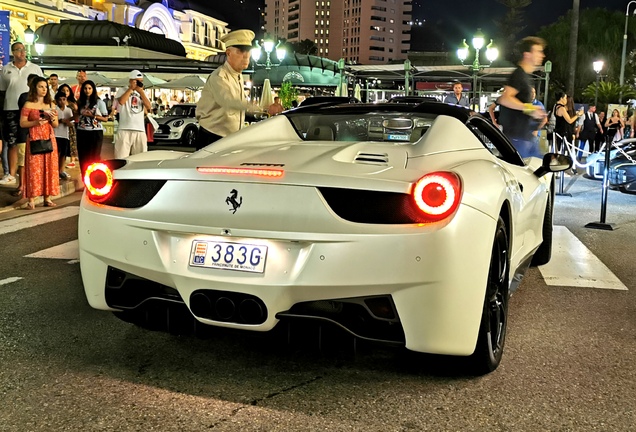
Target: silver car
{"points": [[178, 126]]}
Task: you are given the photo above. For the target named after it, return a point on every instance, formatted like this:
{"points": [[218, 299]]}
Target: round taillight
{"points": [[98, 179], [437, 195]]}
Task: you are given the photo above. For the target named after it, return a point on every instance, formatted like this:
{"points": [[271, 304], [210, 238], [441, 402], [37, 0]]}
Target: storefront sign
{"points": [[5, 38]]}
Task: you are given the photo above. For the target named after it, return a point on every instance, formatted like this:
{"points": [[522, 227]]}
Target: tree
{"points": [[608, 92], [287, 94], [511, 25], [574, 37], [305, 46], [600, 37]]}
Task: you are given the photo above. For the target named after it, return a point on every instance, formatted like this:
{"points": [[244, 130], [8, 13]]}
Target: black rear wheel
{"points": [[494, 320]]}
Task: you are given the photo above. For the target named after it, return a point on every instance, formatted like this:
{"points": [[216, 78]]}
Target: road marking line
{"points": [[7, 281], [573, 264], [67, 251], [35, 219]]}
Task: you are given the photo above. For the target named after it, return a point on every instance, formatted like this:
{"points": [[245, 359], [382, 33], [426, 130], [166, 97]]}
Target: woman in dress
{"points": [[88, 120], [565, 119], [40, 170], [71, 102], [614, 126]]}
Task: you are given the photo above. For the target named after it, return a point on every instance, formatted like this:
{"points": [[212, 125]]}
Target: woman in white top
{"points": [[91, 112]]}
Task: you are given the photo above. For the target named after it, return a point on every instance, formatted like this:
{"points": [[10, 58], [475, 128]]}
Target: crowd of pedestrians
{"points": [[47, 126]]}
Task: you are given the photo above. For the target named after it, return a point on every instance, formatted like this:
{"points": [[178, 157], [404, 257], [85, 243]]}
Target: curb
{"points": [[66, 188]]}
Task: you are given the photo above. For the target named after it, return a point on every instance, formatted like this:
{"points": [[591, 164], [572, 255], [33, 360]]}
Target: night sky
{"points": [[458, 19]]}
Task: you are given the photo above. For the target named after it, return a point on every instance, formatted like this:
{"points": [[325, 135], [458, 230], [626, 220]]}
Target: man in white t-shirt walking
{"points": [[131, 104]]}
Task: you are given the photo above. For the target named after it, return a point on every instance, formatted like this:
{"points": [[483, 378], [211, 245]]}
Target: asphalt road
{"points": [[568, 365]]}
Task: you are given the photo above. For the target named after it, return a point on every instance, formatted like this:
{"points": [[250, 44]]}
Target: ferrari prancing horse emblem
{"points": [[231, 200]]}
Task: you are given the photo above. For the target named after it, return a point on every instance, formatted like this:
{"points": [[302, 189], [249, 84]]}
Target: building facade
{"points": [[360, 31], [198, 33]]}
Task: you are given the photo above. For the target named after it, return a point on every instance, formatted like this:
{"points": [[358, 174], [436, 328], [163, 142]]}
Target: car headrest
{"points": [[320, 133]]}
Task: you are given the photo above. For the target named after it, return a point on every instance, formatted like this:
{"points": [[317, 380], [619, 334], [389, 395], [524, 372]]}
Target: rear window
{"points": [[383, 127]]}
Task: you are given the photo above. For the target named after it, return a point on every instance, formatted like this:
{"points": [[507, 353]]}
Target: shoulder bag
{"points": [[41, 146]]}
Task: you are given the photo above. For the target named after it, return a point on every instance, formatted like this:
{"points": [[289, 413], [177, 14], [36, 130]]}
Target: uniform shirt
{"points": [[13, 80], [131, 114], [221, 108]]}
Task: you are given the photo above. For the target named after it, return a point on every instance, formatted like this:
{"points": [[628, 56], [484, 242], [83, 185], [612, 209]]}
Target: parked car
{"points": [[403, 224], [595, 162], [622, 172], [178, 126]]}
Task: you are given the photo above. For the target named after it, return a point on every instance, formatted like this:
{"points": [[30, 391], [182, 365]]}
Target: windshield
{"points": [[383, 127], [181, 111]]}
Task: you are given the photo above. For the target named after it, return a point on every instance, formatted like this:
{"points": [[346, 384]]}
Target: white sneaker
{"points": [[7, 179]]}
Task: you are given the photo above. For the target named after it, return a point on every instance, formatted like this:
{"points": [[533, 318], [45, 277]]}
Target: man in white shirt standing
{"points": [[13, 82], [132, 104]]}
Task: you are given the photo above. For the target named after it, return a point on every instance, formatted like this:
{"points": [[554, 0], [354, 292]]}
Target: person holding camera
{"points": [[132, 105]]}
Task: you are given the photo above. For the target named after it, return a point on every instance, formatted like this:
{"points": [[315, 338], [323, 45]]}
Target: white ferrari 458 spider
{"points": [[407, 224]]}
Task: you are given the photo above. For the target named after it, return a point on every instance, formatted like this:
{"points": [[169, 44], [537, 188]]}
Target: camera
{"points": [[140, 84], [42, 114]]}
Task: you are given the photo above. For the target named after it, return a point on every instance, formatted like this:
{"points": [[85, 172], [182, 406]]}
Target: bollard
{"points": [[601, 224]]}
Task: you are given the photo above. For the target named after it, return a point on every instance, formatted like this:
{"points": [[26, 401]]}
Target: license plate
{"points": [[228, 256], [395, 137]]}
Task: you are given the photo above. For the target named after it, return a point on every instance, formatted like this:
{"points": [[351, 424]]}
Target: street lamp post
{"points": [[491, 54], [407, 77], [341, 69], [29, 38], [621, 80], [547, 67], [598, 66], [269, 47]]}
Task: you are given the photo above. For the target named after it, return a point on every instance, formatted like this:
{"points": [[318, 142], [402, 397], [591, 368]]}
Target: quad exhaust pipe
{"points": [[228, 307]]}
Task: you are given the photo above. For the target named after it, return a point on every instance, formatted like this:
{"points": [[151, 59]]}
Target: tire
{"points": [[544, 253], [494, 319], [189, 137]]}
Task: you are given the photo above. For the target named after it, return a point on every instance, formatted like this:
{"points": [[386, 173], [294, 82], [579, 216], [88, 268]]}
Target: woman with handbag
{"points": [[40, 165], [91, 112]]}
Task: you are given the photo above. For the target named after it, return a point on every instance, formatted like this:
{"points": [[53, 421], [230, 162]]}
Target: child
{"points": [[65, 116]]}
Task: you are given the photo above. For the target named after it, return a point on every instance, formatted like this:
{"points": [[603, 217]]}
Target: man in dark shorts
{"points": [[518, 115], [13, 82]]}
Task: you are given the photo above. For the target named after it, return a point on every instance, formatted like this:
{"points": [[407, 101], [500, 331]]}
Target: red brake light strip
{"points": [[260, 172]]}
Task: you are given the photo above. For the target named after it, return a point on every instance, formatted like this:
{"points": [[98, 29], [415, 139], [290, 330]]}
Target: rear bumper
{"points": [[435, 278]]}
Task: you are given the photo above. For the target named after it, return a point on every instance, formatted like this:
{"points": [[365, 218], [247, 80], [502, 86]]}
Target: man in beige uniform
{"points": [[221, 108]]}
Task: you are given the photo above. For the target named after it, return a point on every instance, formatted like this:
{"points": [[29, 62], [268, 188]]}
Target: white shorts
{"points": [[130, 142]]}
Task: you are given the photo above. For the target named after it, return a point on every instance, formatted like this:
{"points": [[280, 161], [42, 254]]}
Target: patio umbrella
{"points": [[99, 79], [266, 97], [190, 82], [149, 82], [357, 92]]}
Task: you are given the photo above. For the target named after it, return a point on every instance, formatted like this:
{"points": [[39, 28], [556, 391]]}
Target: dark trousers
{"points": [[586, 137], [205, 137], [89, 147]]}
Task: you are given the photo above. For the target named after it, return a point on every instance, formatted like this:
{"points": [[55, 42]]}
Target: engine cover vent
{"points": [[372, 158]]}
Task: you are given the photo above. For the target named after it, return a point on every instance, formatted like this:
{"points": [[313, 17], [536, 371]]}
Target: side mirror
{"points": [[554, 162]]}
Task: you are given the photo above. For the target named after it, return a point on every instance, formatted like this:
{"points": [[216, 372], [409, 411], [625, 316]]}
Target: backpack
{"points": [[551, 120]]}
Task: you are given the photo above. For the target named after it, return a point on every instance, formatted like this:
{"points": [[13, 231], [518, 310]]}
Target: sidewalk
{"points": [[8, 202]]}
